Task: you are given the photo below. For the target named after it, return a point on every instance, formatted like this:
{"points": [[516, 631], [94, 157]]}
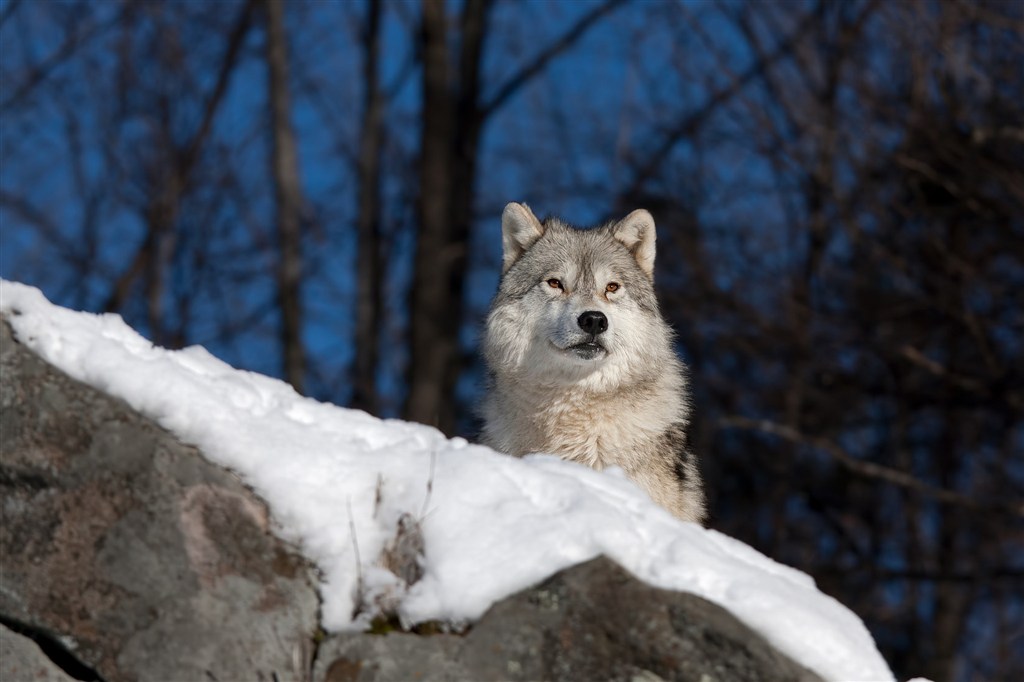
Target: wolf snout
{"points": [[593, 322]]}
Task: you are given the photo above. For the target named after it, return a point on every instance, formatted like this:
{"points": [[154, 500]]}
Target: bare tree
{"points": [[369, 266], [288, 196], [837, 186], [432, 342], [856, 391], [172, 175], [456, 110]]}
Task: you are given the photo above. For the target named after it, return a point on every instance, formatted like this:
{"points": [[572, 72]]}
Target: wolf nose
{"points": [[593, 322]]}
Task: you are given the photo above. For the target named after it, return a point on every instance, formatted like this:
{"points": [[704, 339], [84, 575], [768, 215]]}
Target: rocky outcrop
{"points": [[594, 621], [132, 553], [23, 660], [127, 556]]}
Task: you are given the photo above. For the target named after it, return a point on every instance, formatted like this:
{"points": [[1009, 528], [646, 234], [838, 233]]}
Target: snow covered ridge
{"points": [[492, 524]]}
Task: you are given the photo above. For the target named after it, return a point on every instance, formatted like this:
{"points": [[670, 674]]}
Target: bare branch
{"points": [[520, 78], [8, 11], [867, 469], [32, 215], [169, 197], [953, 576], [235, 41], [40, 72], [689, 124], [921, 360]]}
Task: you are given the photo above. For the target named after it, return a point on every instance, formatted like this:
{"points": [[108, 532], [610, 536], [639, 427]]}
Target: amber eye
{"points": [[612, 287], [555, 283]]}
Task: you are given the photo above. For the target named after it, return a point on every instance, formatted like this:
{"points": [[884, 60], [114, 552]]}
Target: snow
{"points": [[337, 481]]}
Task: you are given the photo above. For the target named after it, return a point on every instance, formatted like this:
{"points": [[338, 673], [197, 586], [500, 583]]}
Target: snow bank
{"points": [[337, 480]]}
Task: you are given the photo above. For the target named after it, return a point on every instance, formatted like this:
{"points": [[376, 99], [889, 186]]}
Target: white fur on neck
{"points": [[593, 427]]}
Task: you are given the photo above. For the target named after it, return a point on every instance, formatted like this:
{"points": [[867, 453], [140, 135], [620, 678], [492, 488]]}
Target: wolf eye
{"points": [[612, 287], [555, 283]]}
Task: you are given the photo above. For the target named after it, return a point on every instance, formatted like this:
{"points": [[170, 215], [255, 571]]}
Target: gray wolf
{"points": [[580, 360]]}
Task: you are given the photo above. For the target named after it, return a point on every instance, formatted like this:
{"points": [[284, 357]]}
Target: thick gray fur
{"points": [[616, 398]]}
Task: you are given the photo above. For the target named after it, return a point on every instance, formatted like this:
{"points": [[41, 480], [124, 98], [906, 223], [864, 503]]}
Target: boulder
{"points": [[131, 551], [126, 555], [593, 621], [22, 660]]}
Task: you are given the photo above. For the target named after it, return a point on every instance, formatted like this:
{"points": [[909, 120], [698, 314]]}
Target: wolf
{"points": [[580, 361]]}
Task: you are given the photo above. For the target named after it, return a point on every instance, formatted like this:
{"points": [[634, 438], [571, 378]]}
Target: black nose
{"points": [[593, 322]]}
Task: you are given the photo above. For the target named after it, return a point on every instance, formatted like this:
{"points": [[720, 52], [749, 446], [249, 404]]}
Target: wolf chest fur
{"points": [[580, 361]]}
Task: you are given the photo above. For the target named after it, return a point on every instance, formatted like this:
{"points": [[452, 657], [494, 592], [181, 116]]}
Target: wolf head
{"points": [[576, 306]]}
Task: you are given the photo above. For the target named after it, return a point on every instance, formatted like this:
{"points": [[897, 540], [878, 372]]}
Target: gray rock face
{"points": [[22, 660], [128, 556], [144, 560], [594, 621]]}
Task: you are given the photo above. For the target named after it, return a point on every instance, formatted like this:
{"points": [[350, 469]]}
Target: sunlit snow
{"points": [[492, 524]]}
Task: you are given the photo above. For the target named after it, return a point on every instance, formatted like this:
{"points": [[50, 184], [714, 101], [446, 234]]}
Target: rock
{"points": [[594, 621], [22, 660], [143, 559], [127, 556]]}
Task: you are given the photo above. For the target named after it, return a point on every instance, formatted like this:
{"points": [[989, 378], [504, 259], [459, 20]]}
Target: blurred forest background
{"points": [[312, 189]]}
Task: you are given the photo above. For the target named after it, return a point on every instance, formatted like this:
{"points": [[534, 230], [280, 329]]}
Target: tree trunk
{"points": [[433, 309], [466, 145], [288, 196], [454, 115], [368, 266]]}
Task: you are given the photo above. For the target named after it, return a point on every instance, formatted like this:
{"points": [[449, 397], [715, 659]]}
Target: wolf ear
{"points": [[519, 230], [636, 232]]}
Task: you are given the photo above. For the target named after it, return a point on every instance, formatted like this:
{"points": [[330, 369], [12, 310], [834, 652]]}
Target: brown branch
{"points": [[939, 178], [166, 202], [689, 124], [921, 360], [8, 11], [530, 70], [25, 210], [41, 71], [980, 574], [968, 384], [868, 469]]}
